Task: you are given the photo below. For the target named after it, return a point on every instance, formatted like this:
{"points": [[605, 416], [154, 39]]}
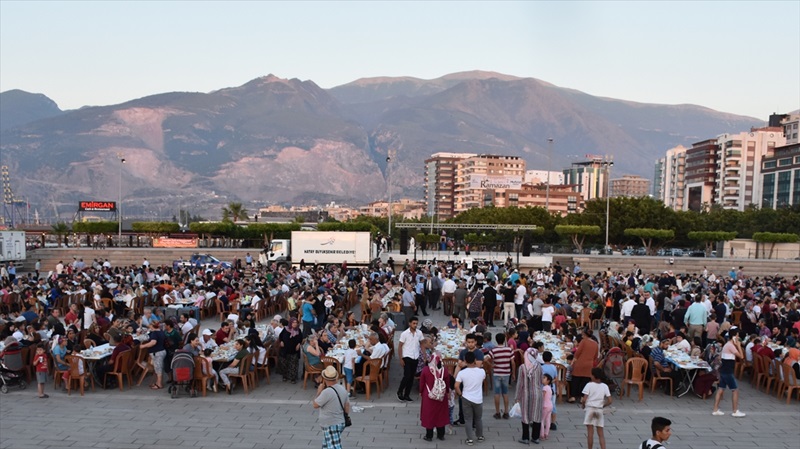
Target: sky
{"points": [[739, 57]]}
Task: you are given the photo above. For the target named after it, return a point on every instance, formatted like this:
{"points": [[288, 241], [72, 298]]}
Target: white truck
{"points": [[12, 246], [321, 247]]}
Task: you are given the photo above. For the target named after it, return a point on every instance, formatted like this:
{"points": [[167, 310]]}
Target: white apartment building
{"points": [[738, 165], [671, 184], [483, 180]]}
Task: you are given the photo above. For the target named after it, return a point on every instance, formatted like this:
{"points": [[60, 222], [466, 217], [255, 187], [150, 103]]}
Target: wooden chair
{"points": [[121, 369], [371, 375], [78, 371], [561, 381], [330, 361], [635, 373], [758, 370], [308, 370], [244, 373], [790, 383], [658, 377], [200, 379], [451, 364]]}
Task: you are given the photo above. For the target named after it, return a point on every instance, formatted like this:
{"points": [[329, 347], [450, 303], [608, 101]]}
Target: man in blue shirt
{"points": [[662, 366], [696, 318]]}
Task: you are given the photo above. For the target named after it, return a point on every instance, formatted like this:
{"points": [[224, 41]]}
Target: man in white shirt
{"points": [[207, 340], [469, 385], [408, 352], [448, 295], [187, 323], [682, 344], [625, 310], [519, 298]]}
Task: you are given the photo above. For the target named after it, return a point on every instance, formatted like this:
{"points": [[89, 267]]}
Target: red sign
{"points": [[97, 206]]}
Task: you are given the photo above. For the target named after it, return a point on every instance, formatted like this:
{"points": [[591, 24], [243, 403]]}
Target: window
{"points": [[784, 162], [796, 194], [768, 190], [784, 181], [770, 164]]}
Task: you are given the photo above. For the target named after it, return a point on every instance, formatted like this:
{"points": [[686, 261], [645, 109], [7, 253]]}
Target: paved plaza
{"points": [[280, 415]]}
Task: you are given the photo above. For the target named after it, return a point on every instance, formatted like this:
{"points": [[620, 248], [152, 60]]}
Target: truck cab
{"points": [[279, 252]]}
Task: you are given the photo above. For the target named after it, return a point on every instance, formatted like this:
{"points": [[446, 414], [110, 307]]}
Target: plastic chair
{"points": [[658, 377], [635, 371], [244, 373], [200, 378], [308, 370], [450, 364], [561, 381], [79, 372], [774, 375], [121, 369], [371, 375], [330, 361], [760, 373], [790, 383]]}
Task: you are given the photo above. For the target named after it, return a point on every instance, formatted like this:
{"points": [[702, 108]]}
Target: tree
{"points": [[234, 212], [60, 229], [772, 238], [577, 233], [647, 235], [711, 237], [155, 227]]}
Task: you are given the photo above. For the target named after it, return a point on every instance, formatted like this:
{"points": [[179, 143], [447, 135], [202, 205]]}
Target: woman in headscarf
{"points": [[434, 409], [749, 319], [291, 339], [529, 396]]}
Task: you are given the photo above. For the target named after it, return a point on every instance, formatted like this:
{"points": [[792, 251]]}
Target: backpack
{"points": [[655, 446], [439, 388], [614, 366]]}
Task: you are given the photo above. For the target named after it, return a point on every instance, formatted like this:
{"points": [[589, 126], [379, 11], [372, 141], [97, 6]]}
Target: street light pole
{"points": [[389, 156], [609, 162], [549, 163], [119, 201]]}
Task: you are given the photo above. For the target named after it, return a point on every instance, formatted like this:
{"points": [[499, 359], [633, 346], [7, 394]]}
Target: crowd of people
{"points": [[502, 309]]}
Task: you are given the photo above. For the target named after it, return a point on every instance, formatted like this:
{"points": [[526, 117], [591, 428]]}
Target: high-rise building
{"points": [[672, 177], [630, 185], [482, 181], [589, 178], [440, 173], [562, 199], [700, 175], [658, 178], [780, 172], [738, 165]]}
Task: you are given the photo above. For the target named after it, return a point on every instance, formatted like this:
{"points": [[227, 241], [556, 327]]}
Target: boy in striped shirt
{"points": [[501, 356]]}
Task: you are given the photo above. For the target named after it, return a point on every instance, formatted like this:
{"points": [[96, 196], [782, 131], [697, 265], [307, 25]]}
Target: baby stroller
{"points": [[11, 370], [182, 373]]}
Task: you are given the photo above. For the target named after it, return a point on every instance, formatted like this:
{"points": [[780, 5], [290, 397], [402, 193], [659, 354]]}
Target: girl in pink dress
{"points": [[547, 404]]}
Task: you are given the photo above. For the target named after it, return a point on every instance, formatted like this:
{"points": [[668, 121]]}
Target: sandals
{"points": [[497, 416], [44, 396], [155, 387]]}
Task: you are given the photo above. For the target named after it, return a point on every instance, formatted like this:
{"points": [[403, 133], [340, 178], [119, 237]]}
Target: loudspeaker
{"points": [[404, 241], [526, 243]]}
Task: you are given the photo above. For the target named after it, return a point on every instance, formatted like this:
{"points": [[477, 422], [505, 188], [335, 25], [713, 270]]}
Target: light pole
{"points": [[434, 212], [608, 162], [389, 156], [549, 163], [119, 201]]}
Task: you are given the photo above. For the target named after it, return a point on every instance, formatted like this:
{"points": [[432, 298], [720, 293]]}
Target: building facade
{"points": [[700, 175], [630, 185], [482, 180], [589, 178], [738, 165], [672, 177], [780, 172], [440, 173], [562, 199]]}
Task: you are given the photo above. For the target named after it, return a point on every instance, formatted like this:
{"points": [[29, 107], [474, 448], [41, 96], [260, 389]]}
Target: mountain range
{"points": [[287, 141]]}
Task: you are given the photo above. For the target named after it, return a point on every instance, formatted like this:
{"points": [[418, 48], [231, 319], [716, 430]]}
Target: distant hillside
{"points": [[18, 107], [276, 140]]}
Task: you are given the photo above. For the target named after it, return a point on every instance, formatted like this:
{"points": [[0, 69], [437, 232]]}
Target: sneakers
{"points": [[470, 442], [481, 439], [400, 397], [535, 441], [427, 438], [523, 441], [738, 414], [718, 413], [553, 426]]}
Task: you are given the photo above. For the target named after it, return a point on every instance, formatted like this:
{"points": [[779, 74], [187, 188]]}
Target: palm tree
{"points": [[60, 229], [234, 212]]}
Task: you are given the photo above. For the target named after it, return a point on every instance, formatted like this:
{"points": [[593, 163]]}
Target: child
{"points": [[349, 358], [208, 368], [547, 404], [595, 397], [451, 405], [661, 433], [40, 363]]}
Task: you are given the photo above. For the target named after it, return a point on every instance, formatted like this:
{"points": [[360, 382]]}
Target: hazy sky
{"points": [[740, 57]]}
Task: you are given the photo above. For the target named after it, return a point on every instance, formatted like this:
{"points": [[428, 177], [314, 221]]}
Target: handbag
{"points": [[347, 421]]}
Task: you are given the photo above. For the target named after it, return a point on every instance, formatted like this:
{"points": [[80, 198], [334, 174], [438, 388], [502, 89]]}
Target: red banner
{"points": [[169, 242]]}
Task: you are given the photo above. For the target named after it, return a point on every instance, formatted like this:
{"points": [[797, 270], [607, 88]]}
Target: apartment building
{"points": [[780, 172], [630, 185], [482, 180], [440, 177], [589, 178], [672, 177], [738, 165], [700, 175], [562, 199]]}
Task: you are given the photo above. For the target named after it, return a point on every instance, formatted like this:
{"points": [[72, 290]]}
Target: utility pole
{"points": [[608, 162], [119, 202], [389, 156], [549, 163]]}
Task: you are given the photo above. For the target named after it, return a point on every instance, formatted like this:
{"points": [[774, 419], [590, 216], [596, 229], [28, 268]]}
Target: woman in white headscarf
{"points": [[529, 396]]}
